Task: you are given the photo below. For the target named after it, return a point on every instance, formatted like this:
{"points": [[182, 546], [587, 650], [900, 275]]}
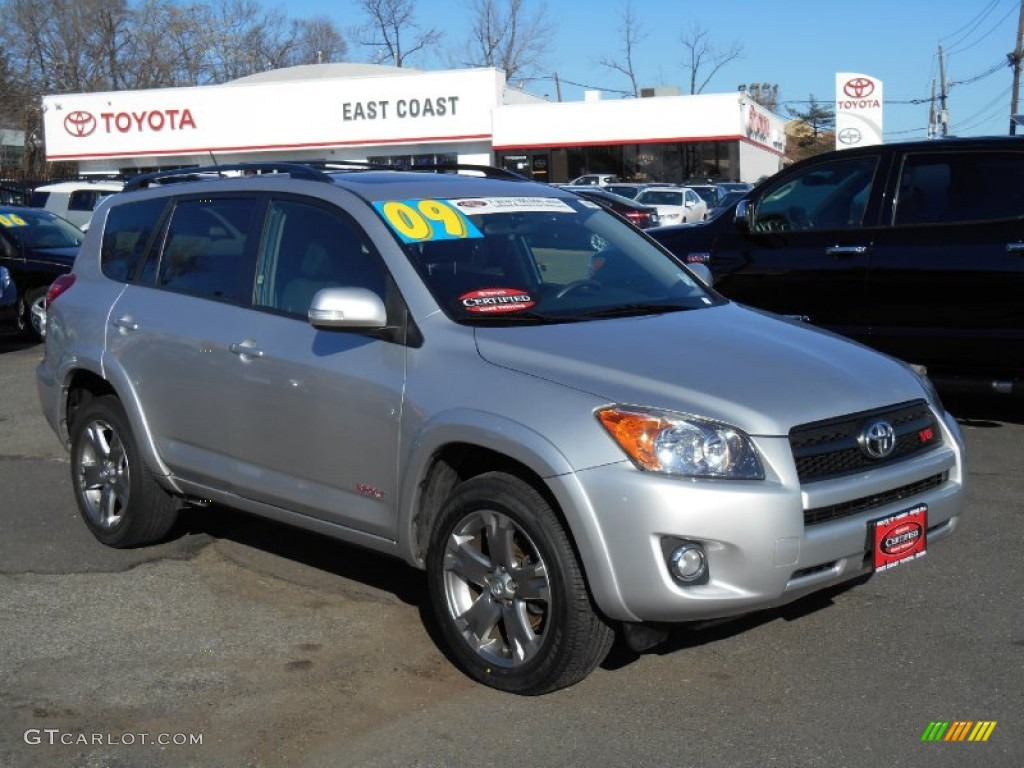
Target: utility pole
{"points": [[943, 112], [1015, 59], [931, 114]]}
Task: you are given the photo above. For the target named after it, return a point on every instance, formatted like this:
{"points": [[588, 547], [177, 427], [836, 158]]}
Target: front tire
{"points": [[118, 497], [508, 590]]}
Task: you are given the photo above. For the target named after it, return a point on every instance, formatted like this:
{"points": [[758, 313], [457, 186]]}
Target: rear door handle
{"points": [[1015, 247], [846, 250], [244, 350], [125, 323]]}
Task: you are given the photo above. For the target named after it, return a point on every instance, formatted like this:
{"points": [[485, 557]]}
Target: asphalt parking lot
{"points": [[244, 644]]}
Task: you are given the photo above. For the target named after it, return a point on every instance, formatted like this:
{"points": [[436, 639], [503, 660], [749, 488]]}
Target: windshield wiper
{"points": [[637, 310], [527, 318]]}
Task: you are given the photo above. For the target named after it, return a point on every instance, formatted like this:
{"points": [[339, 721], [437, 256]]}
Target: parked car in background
{"points": [[733, 186], [916, 249], [12, 193], [10, 317], [500, 383], [594, 179], [36, 246], [643, 216], [75, 200], [676, 205], [626, 189], [709, 193], [726, 202]]}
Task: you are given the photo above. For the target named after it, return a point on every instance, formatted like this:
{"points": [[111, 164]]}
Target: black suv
{"points": [[916, 249]]}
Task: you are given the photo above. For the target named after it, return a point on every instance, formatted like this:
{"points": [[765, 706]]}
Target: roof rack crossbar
{"points": [[295, 170]]}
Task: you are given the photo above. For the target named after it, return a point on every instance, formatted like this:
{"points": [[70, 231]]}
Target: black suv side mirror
{"points": [[742, 217]]}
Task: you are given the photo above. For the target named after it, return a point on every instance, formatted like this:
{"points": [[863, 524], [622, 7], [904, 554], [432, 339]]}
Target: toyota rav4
{"points": [[495, 380]]}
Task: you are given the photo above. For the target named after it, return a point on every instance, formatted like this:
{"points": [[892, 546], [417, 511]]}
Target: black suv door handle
{"points": [[1015, 247], [846, 250], [245, 351]]}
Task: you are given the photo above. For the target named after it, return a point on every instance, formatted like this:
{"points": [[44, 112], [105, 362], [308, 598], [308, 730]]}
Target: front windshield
{"points": [[40, 229], [539, 259]]}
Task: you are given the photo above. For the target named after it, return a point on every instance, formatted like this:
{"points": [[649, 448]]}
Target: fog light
{"points": [[688, 564]]}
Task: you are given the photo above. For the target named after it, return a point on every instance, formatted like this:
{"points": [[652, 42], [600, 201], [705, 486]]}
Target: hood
{"points": [[751, 369]]}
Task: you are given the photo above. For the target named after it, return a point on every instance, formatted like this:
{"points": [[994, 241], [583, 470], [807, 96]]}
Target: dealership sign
{"points": [[858, 110], [278, 115]]}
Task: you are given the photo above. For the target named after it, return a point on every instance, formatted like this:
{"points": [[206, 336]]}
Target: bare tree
{"points": [[318, 41], [632, 35], [393, 32], [240, 38], [704, 60], [503, 36]]}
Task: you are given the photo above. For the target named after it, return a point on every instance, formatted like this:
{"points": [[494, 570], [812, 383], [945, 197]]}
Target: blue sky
{"points": [[798, 44]]}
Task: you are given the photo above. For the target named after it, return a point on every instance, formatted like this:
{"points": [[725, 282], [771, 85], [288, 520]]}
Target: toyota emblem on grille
{"points": [[878, 439]]}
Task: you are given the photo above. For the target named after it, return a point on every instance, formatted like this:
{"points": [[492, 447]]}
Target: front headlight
{"points": [[676, 444]]}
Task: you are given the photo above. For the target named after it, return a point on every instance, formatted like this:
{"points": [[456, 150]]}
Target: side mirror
{"points": [[743, 215], [347, 308]]}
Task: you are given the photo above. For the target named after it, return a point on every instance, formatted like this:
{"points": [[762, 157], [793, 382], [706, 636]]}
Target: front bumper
{"points": [[760, 551]]}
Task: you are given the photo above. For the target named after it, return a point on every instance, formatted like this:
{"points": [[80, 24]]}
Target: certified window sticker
{"points": [[495, 301]]}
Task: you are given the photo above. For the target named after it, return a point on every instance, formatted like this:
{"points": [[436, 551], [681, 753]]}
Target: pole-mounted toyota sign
{"points": [[858, 110]]}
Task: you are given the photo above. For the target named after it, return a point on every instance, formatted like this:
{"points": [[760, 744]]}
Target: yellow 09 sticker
{"points": [[12, 220], [416, 221]]}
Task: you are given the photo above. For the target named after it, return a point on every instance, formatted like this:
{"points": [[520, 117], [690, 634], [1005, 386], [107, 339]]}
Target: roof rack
{"points": [[311, 170], [295, 170]]}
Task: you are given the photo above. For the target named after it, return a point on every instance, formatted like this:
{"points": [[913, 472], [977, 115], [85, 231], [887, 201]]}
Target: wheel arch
{"points": [[83, 385], [470, 443]]}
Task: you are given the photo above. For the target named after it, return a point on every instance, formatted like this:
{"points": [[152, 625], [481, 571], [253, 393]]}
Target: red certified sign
{"points": [[900, 537], [495, 300]]}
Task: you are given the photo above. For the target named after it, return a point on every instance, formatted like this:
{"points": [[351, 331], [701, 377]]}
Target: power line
{"points": [[964, 46]]}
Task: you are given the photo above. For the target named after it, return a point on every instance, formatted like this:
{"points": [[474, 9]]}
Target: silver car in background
{"points": [[496, 381]]}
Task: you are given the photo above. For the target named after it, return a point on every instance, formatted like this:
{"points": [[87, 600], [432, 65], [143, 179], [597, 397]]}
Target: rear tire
{"points": [[508, 590], [118, 497]]}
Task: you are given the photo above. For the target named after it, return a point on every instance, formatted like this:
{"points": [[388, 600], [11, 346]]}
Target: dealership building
{"points": [[345, 112]]}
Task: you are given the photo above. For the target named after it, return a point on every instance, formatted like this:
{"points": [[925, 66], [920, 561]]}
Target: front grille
{"points": [[831, 448], [820, 515]]}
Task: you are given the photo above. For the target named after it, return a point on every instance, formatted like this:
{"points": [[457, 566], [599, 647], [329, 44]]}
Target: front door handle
{"points": [[841, 251], [243, 350], [1017, 247], [125, 323]]}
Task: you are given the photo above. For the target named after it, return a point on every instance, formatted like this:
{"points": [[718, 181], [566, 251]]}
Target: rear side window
{"points": [[207, 250], [950, 187], [39, 199], [128, 236]]}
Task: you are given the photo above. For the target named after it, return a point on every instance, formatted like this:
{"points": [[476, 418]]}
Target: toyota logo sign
{"points": [[859, 87], [849, 136], [878, 439], [79, 123]]}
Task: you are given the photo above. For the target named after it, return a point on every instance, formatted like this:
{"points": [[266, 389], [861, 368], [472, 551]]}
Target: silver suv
{"points": [[495, 380]]}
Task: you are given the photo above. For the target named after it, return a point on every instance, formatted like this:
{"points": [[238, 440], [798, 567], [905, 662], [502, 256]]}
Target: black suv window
{"points": [[126, 237], [206, 251], [947, 187], [831, 195], [306, 248]]}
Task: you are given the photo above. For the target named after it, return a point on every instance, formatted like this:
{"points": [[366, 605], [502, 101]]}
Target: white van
{"points": [[75, 200]]}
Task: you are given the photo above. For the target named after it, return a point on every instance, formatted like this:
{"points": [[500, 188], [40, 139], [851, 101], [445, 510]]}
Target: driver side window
{"points": [[831, 195]]}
